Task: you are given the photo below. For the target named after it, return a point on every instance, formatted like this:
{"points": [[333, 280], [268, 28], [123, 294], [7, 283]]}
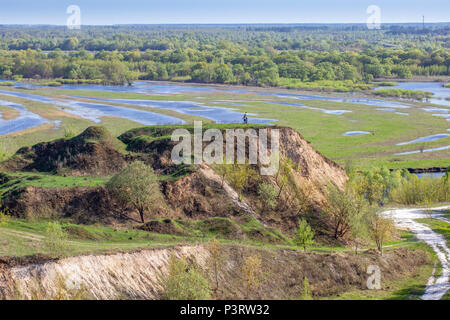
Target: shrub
{"points": [[214, 248], [381, 229], [69, 132], [306, 290], [268, 194], [55, 241], [252, 273], [425, 190], [4, 218], [238, 177], [404, 93], [185, 282], [304, 235]]}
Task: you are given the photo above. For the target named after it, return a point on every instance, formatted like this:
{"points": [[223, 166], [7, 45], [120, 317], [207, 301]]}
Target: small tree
{"points": [[238, 177], [306, 290], [359, 222], [381, 229], [214, 248], [136, 185], [340, 207], [223, 169], [252, 272], [55, 240], [268, 195], [184, 282], [304, 236]]}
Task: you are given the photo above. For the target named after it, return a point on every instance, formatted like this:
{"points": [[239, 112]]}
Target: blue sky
{"points": [[220, 11]]}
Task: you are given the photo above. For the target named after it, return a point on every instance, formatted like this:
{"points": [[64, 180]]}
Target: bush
{"points": [[304, 236], [69, 132], [381, 229], [268, 194], [415, 190], [404, 93], [306, 290], [4, 218], [185, 282], [252, 273], [55, 241]]}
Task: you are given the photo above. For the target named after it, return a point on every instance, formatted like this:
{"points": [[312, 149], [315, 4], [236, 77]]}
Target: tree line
{"points": [[229, 55]]}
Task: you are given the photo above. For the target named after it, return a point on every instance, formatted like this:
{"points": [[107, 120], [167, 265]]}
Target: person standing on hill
{"points": [[245, 118]]}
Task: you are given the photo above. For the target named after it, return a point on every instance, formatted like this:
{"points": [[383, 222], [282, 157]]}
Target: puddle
{"points": [[438, 110], [386, 109], [426, 139], [355, 133], [425, 150]]}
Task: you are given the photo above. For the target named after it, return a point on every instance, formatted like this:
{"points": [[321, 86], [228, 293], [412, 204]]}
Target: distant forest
{"points": [[262, 55]]}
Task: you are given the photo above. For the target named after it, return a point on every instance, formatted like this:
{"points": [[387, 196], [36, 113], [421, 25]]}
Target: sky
{"points": [[108, 12]]}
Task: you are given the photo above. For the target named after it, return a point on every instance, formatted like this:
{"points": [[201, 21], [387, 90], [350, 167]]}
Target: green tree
{"points": [[55, 240], [268, 195], [381, 229], [359, 222], [304, 236], [136, 185]]}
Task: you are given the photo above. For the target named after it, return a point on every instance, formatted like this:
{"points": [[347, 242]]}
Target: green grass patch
{"points": [[16, 180]]}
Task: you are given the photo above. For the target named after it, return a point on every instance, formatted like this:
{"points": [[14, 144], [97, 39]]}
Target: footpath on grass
{"points": [[406, 219]]}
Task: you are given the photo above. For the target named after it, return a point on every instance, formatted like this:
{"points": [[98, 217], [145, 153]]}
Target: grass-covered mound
{"points": [[94, 152]]}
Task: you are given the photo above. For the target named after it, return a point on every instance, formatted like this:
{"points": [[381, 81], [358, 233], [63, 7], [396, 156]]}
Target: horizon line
{"points": [[220, 23]]}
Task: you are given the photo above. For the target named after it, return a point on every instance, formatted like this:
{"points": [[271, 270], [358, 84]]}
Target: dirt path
{"points": [[405, 218]]}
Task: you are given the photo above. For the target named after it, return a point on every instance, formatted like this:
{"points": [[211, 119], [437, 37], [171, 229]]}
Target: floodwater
{"points": [[355, 133], [440, 94], [95, 111], [425, 150], [170, 88], [426, 139], [25, 120], [217, 114], [430, 174]]}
